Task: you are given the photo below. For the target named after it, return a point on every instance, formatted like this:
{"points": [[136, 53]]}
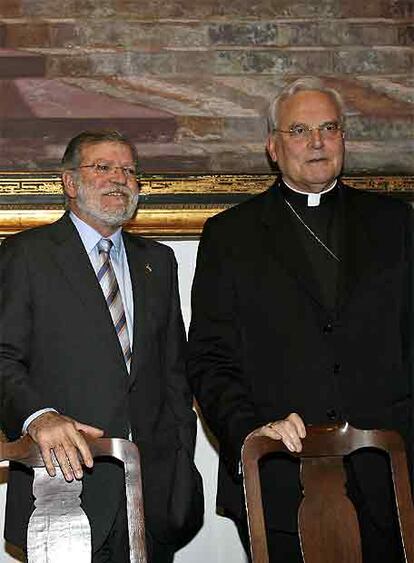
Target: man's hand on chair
{"points": [[291, 430], [63, 435]]}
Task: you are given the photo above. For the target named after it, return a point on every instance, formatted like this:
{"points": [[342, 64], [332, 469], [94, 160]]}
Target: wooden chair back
{"points": [[327, 521], [58, 525]]}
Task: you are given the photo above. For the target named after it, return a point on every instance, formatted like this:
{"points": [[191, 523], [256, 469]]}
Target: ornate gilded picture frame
{"points": [[170, 206]]}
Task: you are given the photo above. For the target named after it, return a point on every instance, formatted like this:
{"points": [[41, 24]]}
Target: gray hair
{"points": [[73, 153], [308, 83]]}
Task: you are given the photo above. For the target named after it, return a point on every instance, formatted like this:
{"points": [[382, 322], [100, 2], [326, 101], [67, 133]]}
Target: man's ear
{"points": [[271, 147], [69, 184]]}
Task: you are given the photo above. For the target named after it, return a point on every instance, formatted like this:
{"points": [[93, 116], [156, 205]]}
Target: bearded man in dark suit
{"points": [[303, 314], [93, 342]]}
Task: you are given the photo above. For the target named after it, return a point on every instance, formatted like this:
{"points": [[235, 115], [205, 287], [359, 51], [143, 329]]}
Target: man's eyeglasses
{"points": [[102, 169], [328, 130]]}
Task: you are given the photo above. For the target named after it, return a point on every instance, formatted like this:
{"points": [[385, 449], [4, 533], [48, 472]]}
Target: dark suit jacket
{"points": [[263, 345], [59, 349]]}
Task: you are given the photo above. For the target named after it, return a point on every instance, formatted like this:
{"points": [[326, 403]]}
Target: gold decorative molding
{"points": [[49, 183], [171, 205], [160, 223], [15, 184]]}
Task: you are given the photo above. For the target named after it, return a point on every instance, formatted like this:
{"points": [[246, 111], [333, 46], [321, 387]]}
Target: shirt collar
{"points": [[90, 237], [314, 199]]}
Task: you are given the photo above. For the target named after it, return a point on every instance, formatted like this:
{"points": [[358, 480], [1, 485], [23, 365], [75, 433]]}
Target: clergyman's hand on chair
{"points": [[291, 430]]}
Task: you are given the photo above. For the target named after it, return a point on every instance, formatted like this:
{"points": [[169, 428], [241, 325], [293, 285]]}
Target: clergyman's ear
{"points": [[271, 147]]}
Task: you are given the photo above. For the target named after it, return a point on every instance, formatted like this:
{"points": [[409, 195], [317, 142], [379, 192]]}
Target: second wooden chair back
{"points": [[328, 524]]}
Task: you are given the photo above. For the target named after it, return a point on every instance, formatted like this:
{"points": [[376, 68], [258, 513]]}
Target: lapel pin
{"points": [[148, 268]]}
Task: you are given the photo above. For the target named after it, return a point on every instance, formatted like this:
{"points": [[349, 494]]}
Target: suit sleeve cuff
{"points": [[33, 416]]}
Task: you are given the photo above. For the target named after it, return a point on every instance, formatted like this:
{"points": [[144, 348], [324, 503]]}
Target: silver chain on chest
{"points": [[312, 233]]}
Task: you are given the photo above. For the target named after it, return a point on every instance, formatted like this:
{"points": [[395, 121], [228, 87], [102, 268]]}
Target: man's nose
{"points": [[118, 174], [315, 138]]}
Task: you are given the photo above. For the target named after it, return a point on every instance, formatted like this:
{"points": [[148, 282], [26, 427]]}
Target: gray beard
{"points": [[114, 218]]}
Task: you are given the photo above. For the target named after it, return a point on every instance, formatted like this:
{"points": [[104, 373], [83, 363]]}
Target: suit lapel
{"points": [[70, 255], [140, 271], [285, 245]]}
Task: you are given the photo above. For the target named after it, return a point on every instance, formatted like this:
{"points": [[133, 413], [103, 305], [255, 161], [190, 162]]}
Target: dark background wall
{"points": [[190, 81]]}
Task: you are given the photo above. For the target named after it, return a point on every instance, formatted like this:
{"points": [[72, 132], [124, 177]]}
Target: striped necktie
{"points": [[110, 288]]}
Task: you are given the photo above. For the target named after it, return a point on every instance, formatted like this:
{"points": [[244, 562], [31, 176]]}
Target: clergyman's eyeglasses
{"points": [[301, 131]]}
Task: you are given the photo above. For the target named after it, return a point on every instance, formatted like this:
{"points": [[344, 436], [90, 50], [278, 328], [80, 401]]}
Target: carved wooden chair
{"points": [[58, 525], [328, 524]]}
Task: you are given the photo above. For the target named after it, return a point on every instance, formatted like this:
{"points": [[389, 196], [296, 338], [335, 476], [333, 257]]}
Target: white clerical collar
{"points": [[313, 199]]}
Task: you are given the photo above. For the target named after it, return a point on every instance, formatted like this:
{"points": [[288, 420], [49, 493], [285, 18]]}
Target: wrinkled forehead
{"points": [[106, 150], [309, 107]]}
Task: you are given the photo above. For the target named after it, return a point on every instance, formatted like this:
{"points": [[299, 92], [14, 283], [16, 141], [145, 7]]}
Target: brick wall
{"points": [[190, 81]]}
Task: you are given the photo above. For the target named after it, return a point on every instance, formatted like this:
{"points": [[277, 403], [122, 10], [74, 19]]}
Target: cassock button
{"points": [[327, 329], [331, 414]]}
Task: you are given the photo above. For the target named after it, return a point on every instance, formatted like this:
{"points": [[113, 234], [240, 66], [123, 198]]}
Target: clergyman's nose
{"points": [[315, 137]]}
